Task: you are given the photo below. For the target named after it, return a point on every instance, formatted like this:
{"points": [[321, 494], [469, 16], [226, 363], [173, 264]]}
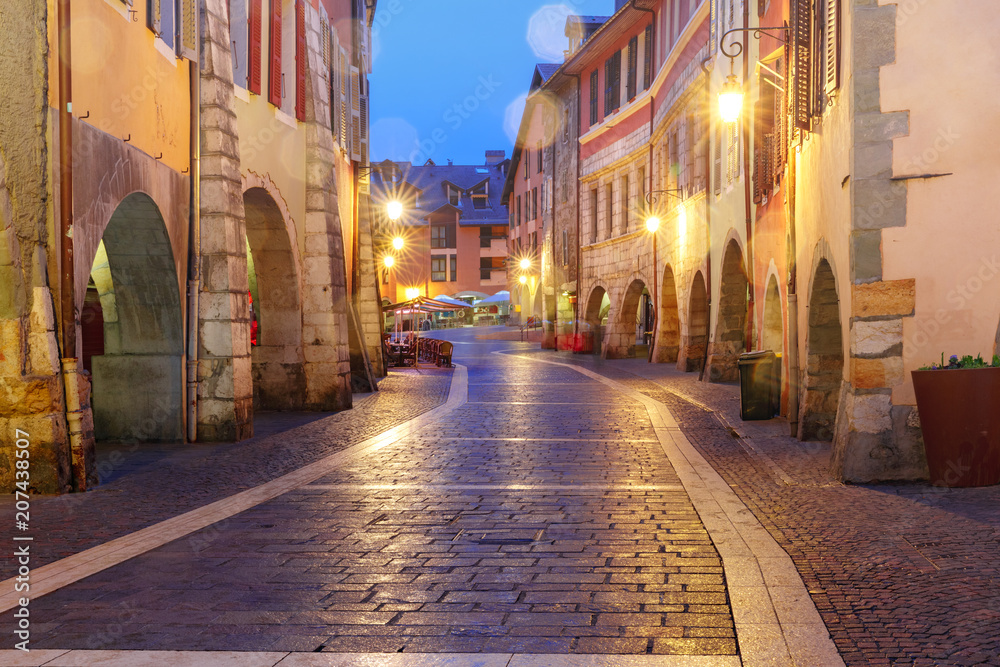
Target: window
{"points": [[538, 152], [487, 265], [647, 58], [488, 234], [593, 215], [609, 191], [527, 161], [565, 124], [453, 195], [593, 98], [453, 261], [565, 247], [625, 204], [641, 199], [519, 210], [480, 196], [633, 59], [439, 271], [534, 241], [443, 236], [733, 154], [239, 29], [534, 203], [612, 83], [717, 161]]}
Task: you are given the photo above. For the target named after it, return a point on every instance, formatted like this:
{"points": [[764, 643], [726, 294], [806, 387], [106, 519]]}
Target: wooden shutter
{"points": [[187, 29], [608, 76], [256, 29], [355, 114], [647, 58], [832, 46], [633, 61], [300, 59], [153, 16], [593, 98], [800, 46], [713, 27], [616, 93], [274, 85], [363, 121], [345, 116]]}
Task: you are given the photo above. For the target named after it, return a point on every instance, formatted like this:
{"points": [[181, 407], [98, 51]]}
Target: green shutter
{"points": [[187, 29]]}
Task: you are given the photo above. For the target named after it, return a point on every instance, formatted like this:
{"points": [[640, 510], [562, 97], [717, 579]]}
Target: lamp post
{"points": [[523, 279], [731, 97], [653, 226]]}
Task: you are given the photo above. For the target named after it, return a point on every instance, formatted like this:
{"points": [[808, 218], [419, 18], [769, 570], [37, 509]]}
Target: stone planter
{"points": [[960, 419]]}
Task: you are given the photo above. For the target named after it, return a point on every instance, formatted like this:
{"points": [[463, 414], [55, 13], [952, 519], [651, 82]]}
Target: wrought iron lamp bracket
{"points": [[757, 32], [651, 197]]}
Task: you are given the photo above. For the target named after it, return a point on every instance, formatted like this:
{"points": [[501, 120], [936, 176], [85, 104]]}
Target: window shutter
{"points": [[363, 120], [345, 116], [274, 86], [300, 59], [633, 58], [593, 98], [616, 93], [800, 44], [355, 114], [153, 16], [832, 45], [608, 75], [713, 27], [647, 58], [187, 29], [256, 31]]}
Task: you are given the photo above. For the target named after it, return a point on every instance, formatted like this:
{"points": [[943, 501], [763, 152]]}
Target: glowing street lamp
{"points": [[652, 224], [731, 100], [525, 264], [397, 243], [389, 260], [412, 293], [523, 280], [394, 209]]}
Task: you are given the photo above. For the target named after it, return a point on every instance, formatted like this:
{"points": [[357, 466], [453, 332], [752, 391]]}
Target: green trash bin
{"points": [[756, 385]]}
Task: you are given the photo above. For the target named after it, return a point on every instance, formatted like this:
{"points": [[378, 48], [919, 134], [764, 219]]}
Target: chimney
{"points": [[495, 157]]}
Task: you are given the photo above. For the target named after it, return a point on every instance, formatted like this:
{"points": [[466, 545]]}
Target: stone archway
{"points": [[596, 314], [692, 356], [730, 326], [277, 359], [773, 329], [137, 376], [668, 337], [626, 336], [824, 358]]}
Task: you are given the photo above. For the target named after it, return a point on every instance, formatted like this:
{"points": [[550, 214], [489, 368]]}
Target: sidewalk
{"points": [[902, 573]]}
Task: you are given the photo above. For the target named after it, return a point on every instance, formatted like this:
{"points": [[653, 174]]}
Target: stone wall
{"points": [[225, 389], [31, 393]]}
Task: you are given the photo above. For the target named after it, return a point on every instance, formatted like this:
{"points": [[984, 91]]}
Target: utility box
{"points": [[758, 398]]}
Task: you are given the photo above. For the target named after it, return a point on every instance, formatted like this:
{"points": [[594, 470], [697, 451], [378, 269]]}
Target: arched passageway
{"points": [[595, 316], [730, 328], [132, 329], [824, 358], [668, 337], [692, 357], [277, 359], [773, 330], [631, 327]]}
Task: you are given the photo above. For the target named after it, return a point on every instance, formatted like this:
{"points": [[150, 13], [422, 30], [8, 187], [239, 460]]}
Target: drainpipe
{"points": [[194, 252], [747, 197], [708, 217], [67, 282], [793, 303]]}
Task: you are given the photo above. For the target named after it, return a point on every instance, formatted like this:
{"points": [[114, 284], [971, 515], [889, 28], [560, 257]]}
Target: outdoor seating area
{"points": [[409, 350]]}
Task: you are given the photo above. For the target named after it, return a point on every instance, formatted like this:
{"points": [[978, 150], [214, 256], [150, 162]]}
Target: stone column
{"points": [[225, 390], [366, 297], [325, 297]]}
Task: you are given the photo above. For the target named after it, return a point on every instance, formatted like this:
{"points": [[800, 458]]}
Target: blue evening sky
{"points": [[449, 76]]}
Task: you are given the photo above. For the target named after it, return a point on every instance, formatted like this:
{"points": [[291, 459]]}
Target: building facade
{"points": [[809, 226], [206, 171], [453, 228]]}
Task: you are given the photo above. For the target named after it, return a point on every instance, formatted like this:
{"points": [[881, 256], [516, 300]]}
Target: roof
{"points": [[433, 182]]}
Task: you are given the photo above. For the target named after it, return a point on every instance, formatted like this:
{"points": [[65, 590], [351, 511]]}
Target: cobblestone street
{"points": [[544, 507]]}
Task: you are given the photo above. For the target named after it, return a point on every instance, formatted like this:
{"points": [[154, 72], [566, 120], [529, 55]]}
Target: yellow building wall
{"points": [[126, 79], [949, 244]]}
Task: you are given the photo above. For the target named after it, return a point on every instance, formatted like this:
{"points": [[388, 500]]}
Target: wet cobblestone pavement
{"points": [[142, 484], [902, 574], [541, 516]]}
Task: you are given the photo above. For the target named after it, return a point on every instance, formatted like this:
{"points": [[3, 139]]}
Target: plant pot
{"points": [[960, 419]]}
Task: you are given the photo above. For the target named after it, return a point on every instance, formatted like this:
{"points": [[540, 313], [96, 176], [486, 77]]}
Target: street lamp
{"points": [[397, 243], [731, 97], [652, 226], [525, 264], [389, 260], [394, 209]]}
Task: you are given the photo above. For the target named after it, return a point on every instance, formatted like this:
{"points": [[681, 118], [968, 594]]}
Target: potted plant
{"points": [[959, 405]]}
